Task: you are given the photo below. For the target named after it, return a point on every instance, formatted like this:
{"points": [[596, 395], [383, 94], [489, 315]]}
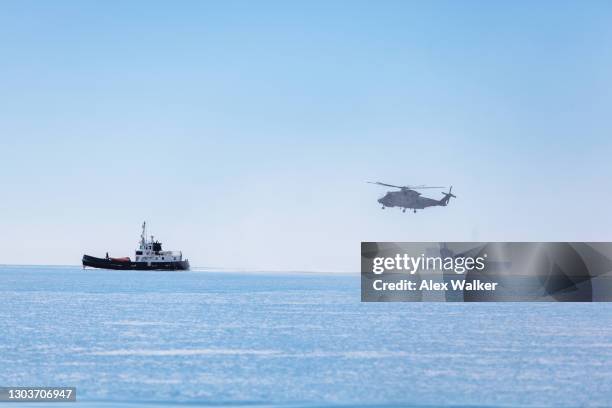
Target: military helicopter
{"points": [[409, 198]]}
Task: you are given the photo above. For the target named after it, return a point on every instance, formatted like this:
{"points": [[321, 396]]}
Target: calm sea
{"points": [[290, 340]]}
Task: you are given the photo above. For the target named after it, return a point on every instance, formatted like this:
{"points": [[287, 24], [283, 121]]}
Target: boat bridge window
{"points": [[138, 252]]}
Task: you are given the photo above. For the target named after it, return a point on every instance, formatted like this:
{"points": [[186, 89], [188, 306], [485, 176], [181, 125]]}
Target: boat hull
{"points": [[110, 263]]}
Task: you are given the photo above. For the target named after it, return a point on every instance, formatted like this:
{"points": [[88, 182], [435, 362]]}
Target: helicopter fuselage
{"points": [[408, 199]]}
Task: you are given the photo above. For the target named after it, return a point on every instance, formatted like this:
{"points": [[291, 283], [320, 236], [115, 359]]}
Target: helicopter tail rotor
{"points": [[447, 196]]}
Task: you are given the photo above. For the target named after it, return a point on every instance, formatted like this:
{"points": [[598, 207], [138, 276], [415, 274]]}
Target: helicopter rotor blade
{"points": [[423, 187], [384, 184], [404, 187]]}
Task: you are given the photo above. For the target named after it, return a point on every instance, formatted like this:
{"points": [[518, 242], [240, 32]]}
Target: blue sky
{"points": [[244, 132]]}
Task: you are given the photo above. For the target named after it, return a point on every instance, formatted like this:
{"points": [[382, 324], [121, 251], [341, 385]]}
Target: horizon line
{"points": [[198, 269]]}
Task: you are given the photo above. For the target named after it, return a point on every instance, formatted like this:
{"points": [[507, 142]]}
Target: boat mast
{"points": [[143, 235]]}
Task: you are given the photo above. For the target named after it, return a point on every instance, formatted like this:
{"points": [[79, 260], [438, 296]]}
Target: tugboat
{"points": [[148, 257]]}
